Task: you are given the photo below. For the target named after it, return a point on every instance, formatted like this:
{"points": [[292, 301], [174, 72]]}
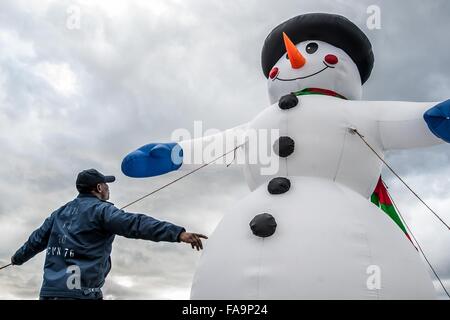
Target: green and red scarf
{"points": [[326, 92]]}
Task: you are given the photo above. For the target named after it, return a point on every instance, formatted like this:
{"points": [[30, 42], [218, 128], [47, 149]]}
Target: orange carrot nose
{"points": [[295, 57]]}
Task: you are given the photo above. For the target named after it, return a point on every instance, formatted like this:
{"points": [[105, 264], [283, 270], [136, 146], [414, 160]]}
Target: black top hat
{"points": [[331, 28]]}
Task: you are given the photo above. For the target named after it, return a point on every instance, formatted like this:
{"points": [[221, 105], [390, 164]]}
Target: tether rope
{"points": [[183, 176], [353, 130], [173, 181], [6, 266], [418, 245]]}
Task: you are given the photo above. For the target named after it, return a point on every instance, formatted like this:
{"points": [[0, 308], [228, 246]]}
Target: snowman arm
{"points": [[156, 159], [199, 151], [406, 125]]}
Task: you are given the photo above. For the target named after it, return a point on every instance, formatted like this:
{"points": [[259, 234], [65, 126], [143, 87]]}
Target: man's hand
{"points": [[193, 239]]}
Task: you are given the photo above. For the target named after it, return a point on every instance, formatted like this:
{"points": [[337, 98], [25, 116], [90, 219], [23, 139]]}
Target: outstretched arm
{"points": [[37, 242], [137, 226], [155, 159], [404, 125], [140, 226]]}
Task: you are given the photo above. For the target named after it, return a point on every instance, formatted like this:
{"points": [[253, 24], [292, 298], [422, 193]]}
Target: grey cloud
{"points": [[140, 75]]}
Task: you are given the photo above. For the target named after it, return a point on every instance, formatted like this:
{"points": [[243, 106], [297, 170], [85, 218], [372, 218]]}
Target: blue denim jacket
{"points": [[78, 240]]}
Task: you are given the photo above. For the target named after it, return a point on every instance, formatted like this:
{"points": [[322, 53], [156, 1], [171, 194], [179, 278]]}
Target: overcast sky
{"points": [[76, 98]]}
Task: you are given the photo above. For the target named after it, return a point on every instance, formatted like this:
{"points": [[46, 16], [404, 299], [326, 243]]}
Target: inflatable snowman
{"points": [[309, 230]]}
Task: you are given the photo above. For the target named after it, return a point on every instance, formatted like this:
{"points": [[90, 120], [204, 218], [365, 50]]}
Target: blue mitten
{"points": [[438, 120], [153, 159]]}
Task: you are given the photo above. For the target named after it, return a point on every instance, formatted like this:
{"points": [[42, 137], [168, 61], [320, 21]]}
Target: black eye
{"points": [[312, 47], [287, 56]]}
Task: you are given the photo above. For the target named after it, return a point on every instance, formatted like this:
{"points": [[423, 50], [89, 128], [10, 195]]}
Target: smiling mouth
{"points": [[300, 78]]}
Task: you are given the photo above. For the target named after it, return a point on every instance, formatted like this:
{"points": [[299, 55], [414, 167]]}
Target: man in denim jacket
{"points": [[78, 239]]}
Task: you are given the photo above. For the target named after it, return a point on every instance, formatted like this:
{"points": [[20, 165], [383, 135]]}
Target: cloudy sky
{"points": [[74, 97]]}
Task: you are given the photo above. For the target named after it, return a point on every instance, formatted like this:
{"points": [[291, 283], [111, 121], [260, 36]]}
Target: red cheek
{"points": [[273, 73], [331, 59]]}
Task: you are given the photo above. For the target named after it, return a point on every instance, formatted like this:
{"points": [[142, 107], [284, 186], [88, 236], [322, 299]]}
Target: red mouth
{"points": [[299, 78]]}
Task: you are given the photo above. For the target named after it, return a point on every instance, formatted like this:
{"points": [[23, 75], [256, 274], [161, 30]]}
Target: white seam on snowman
{"points": [[287, 133], [258, 277], [364, 228], [338, 168]]}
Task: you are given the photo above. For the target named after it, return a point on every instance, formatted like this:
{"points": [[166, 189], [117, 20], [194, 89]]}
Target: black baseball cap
{"points": [[88, 179]]}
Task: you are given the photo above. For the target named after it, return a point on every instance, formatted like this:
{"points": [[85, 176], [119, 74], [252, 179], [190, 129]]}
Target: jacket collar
{"points": [[90, 195], [86, 195]]}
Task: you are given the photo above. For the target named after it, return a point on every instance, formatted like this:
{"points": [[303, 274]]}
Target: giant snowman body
{"points": [[328, 235]]}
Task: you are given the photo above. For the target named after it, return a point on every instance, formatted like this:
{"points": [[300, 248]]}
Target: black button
{"points": [[288, 101], [279, 185], [263, 225], [284, 146]]}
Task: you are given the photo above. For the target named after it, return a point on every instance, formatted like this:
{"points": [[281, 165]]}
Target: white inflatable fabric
{"points": [[323, 248], [202, 150], [308, 230], [328, 232], [325, 148]]}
